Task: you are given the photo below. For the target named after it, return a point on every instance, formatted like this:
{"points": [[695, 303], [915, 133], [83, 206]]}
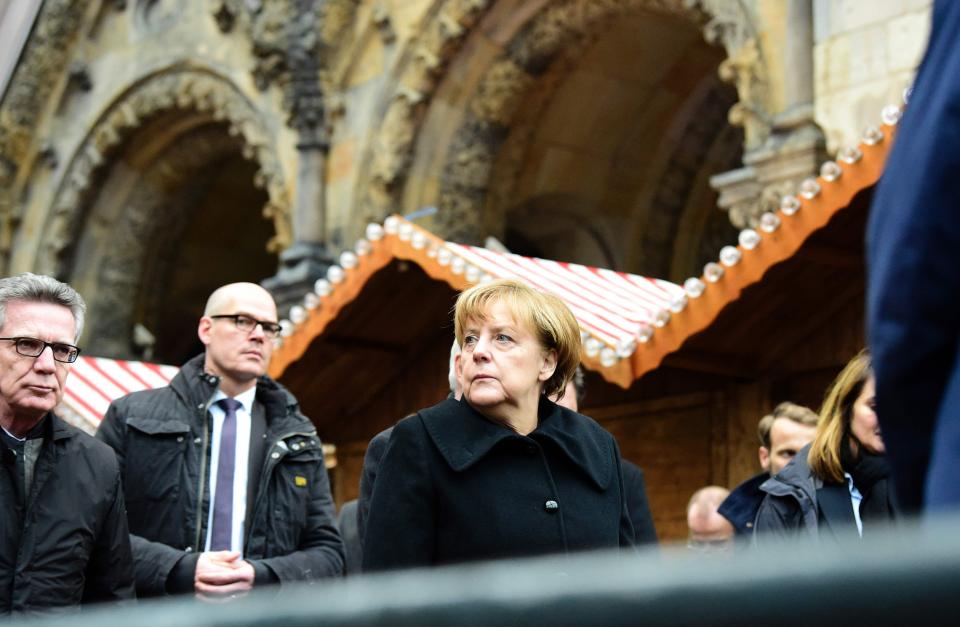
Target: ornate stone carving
{"points": [[552, 35], [731, 25], [188, 90], [41, 65], [134, 271], [292, 42], [433, 47]]}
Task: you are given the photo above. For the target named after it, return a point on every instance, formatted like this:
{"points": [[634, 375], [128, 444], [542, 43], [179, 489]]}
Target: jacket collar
{"points": [[58, 429], [463, 436], [741, 507], [197, 386], [795, 477]]}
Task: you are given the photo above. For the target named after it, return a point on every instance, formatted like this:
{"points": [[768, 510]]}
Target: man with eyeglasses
{"points": [[63, 532], [225, 481]]}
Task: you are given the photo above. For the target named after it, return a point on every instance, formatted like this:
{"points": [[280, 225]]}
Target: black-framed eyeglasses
{"points": [[248, 324], [32, 347]]}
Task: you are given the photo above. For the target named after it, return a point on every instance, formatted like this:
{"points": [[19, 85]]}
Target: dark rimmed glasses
{"points": [[248, 324], [32, 347]]}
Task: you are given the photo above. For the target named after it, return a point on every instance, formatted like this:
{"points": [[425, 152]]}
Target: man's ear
{"points": [[549, 364], [205, 329], [764, 454]]}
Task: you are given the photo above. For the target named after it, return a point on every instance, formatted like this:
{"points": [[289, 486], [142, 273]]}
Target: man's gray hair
{"points": [[38, 288], [452, 372]]}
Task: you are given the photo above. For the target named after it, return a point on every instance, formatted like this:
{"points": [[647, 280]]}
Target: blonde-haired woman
{"points": [[838, 485], [503, 472]]}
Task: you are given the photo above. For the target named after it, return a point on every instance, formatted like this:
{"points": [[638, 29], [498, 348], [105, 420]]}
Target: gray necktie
{"points": [[221, 529]]}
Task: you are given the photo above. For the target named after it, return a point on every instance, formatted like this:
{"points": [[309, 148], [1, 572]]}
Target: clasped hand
{"points": [[222, 575]]}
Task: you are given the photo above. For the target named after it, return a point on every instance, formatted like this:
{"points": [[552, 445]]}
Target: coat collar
{"points": [[795, 477], [197, 386], [463, 436]]}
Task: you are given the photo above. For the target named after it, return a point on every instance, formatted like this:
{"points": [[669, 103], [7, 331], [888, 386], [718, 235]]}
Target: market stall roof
{"points": [[629, 324], [95, 382]]}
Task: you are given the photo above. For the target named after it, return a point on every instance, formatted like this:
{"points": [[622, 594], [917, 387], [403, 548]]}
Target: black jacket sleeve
{"points": [[401, 525], [321, 549], [371, 465], [109, 573], [153, 562], [636, 490]]}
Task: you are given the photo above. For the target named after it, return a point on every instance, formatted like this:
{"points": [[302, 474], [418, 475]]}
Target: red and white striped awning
{"points": [[95, 382], [616, 311], [611, 306]]}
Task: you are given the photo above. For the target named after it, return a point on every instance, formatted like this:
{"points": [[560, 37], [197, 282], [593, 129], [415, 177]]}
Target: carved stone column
{"points": [[791, 147], [287, 41]]}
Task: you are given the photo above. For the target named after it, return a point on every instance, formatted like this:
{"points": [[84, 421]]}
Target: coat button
{"points": [[530, 449], [551, 506]]}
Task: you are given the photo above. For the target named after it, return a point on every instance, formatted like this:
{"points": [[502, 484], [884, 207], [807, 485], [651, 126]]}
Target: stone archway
{"points": [[194, 93], [545, 35], [177, 164]]}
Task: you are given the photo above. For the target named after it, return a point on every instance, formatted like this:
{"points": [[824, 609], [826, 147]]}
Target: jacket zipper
{"points": [[268, 470], [203, 471]]}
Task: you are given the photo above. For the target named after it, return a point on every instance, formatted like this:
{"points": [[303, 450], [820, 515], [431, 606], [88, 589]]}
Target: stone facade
{"points": [[151, 150], [596, 131]]}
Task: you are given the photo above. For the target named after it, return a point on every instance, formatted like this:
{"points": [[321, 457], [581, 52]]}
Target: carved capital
{"points": [[730, 24]]}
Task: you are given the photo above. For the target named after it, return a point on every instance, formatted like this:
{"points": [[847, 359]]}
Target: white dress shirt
{"points": [[855, 499], [241, 464]]}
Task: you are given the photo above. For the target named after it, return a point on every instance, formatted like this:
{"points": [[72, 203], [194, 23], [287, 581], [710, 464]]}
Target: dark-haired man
{"points": [[782, 434]]}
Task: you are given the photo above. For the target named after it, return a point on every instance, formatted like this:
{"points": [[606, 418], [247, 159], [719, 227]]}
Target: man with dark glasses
{"points": [[225, 479], [63, 532]]}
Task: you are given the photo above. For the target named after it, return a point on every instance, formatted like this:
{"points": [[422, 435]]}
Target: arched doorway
{"points": [[176, 192]]}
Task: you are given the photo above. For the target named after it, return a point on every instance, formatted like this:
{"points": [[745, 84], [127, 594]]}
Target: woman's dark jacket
{"points": [[162, 441], [67, 542], [799, 502], [455, 487]]}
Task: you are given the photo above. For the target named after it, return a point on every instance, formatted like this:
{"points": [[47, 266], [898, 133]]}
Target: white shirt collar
{"points": [[246, 398]]}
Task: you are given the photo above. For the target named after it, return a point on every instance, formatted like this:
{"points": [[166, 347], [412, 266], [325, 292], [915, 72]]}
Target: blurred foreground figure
{"points": [[225, 481], [913, 288], [505, 471], [782, 434], [709, 531], [836, 487], [63, 530]]}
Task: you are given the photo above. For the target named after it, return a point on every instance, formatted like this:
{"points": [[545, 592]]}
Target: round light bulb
{"points": [[749, 239], [769, 222], [713, 271], [348, 259], [335, 274], [730, 256], [694, 287], [374, 231], [830, 171]]}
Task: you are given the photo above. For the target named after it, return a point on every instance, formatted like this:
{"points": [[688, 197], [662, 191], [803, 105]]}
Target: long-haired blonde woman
{"points": [[838, 485]]}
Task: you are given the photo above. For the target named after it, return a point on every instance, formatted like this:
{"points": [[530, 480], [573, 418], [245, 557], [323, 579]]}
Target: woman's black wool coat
{"points": [[456, 487]]}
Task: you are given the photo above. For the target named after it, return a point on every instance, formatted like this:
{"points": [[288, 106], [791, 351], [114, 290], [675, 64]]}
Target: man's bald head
{"points": [[708, 529], [224, 299], [238, 347]]}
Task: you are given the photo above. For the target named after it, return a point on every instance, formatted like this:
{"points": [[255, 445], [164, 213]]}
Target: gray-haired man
{"points": [[63, 528]]}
